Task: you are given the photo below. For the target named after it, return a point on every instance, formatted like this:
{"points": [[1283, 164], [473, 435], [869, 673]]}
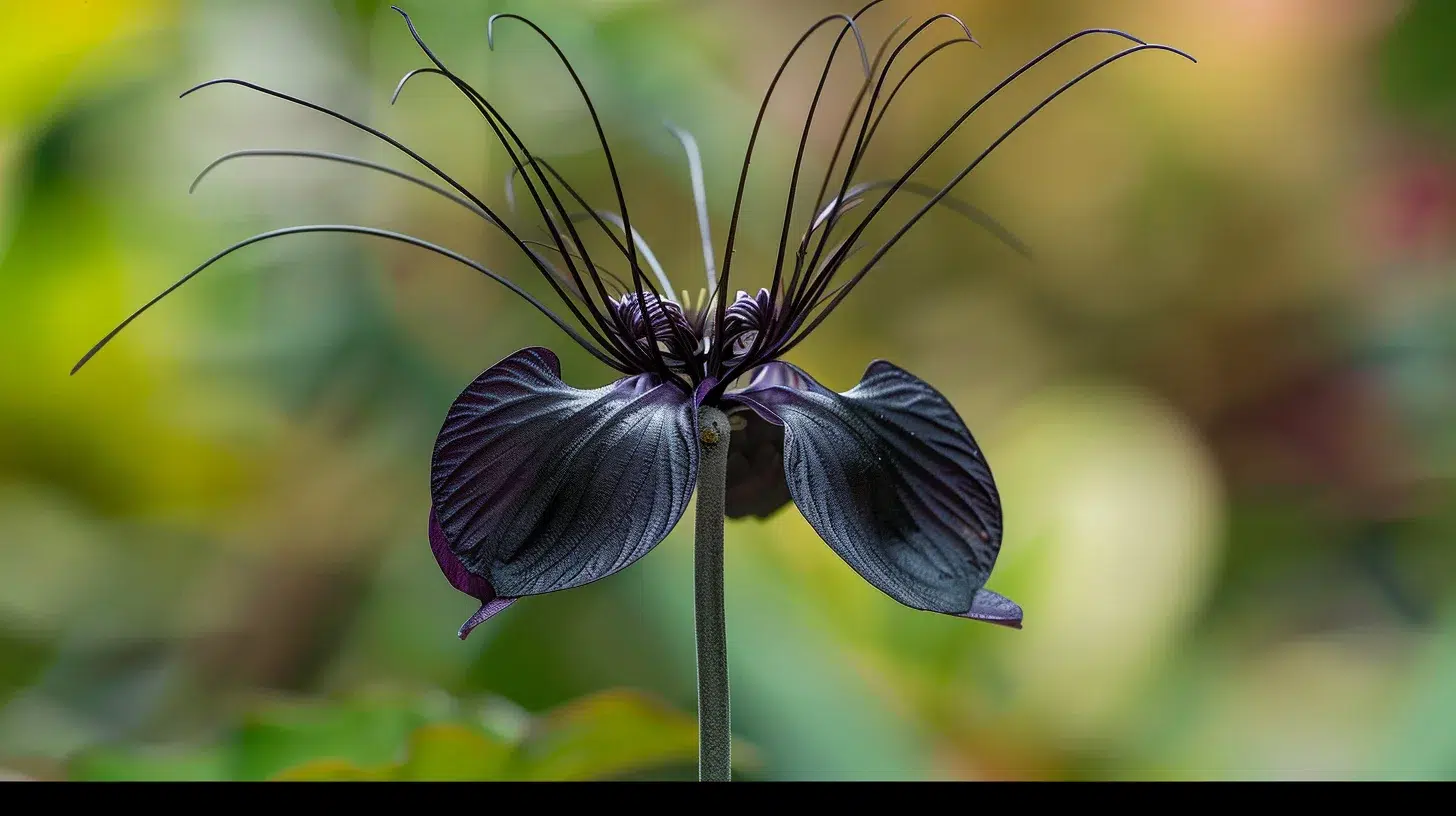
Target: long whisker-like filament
{"points": [[856, 196], [601, 217], [394, 97], [884, 248], [839, 145], [771, 332], [721, 287], [497, 124], [378, 134], [781, 322], [622, 288], [342, 159], [359, 230], [862, 141], [571, 191], [700, 199], [398, 145], [516, 168], [771, 348], [815, 288], [611, 168], [586, 98], [647, 253], [894, 92], [829, 171], [967, 37]]}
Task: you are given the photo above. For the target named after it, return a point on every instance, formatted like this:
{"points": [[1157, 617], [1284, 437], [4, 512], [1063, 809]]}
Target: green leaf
{"points": [[609, 735], [366, 733], [1422, 745], [454, 753], [149, 765], [22, 660], [335, 770], [443, 752], [1419, 59]]}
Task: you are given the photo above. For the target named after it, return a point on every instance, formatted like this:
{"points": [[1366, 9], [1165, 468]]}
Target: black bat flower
{"points": [[537, 486]]}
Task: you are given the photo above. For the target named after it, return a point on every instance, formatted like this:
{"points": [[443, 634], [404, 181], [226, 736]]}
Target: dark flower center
{"points": [[744, 320], [685, 335]]}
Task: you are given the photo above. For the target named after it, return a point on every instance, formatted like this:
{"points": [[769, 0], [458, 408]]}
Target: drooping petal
{"points": [[993, 608], [462, 579], [756, 485], [773, 374], [538, 486], [892, 480]]}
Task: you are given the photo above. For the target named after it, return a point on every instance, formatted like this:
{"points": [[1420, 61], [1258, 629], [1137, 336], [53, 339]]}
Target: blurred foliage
{"points": [[1218, 403], [1418, 62], [392, 737]]}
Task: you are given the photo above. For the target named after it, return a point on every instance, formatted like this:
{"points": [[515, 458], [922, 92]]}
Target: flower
{"points": [[537, 486]]}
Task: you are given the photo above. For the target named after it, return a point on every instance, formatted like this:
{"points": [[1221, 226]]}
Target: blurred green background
{"points": [[1217, 403]]}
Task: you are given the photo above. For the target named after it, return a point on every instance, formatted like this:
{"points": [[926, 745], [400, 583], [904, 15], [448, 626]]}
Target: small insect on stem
{"points": [[709, 437]]}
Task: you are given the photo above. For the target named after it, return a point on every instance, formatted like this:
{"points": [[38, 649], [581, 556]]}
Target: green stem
{"points": [[714, 730]]}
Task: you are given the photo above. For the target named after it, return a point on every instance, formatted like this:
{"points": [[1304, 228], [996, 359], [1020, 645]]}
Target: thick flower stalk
{"points": [[537, 486]]}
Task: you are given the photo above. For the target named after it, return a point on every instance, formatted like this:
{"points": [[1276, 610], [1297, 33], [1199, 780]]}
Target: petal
{"points": [[455, 572], [890, 478], [539, 486], [756, 485], [462, 579], [485, 613], [992, 608], [772, 374]]}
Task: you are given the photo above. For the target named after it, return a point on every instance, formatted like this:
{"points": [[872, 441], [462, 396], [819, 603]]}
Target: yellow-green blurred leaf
{"points": [[1420, 50], [1422, 743], [283, 736], [151, 765], [443, 752], [454, 753], [45, 48], [611, 734], [334, 770]]}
